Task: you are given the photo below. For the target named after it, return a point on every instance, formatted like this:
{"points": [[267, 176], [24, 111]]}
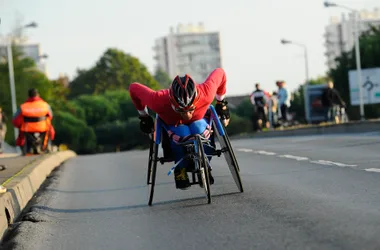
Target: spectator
{"points": [[259, 101], [283, 101], [274, 108], [331, 102], [3, 129]]}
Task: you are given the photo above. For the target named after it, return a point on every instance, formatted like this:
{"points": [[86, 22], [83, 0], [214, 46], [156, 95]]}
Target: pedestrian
{"points": [[3, 129], [283, 101], [332, 102], [259, 101]]}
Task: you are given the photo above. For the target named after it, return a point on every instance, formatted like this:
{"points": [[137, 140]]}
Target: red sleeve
{"points": [[17, 120], [215, 85], [143, 97]]}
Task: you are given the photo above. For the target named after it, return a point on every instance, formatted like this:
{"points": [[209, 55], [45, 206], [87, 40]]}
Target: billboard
{"points": [[315, 112], [370, 86]]}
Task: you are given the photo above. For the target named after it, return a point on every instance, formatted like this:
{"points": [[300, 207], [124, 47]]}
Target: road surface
{"points": [[309, 192]]}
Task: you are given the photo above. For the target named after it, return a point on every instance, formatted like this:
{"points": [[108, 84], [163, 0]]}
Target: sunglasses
{"points": [[182, 111]]}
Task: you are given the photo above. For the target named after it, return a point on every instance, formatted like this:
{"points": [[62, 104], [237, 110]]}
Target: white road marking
{"points": [[244, 150], [298, 158], [261, 152], [302, 158], [372, 170], [331, 163]]}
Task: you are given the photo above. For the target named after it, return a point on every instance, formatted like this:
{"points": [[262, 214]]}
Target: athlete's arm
{"points": [[252, 99], [144, 98], [17, 118], [214, 86]]}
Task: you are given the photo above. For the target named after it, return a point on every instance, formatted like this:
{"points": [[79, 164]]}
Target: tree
{"points": [[97, 109], [370, 58], [122, 102], [74, 132], [162, 78], [114, 70]]}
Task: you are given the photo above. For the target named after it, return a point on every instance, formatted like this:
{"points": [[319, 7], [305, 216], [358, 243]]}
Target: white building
{"points": [[190, 50], [340, 33], [29, 50]]}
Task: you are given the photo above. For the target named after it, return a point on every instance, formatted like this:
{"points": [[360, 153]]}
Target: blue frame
{"points": [[214, 118]]}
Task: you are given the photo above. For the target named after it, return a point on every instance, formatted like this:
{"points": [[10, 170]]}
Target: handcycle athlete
{"points": [[182, 107]]}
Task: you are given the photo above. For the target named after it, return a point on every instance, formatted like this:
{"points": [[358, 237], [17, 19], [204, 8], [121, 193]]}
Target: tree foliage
{"points": [[113, 71], [162, 78]]}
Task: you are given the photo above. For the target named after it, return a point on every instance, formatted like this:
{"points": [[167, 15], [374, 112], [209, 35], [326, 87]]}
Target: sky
{"points": [[75, 33]]}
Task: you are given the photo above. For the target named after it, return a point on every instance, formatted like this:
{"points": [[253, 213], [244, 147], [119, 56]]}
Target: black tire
{"points": [[151, 158], [230, 146], [153, 173], [231, 159], [203, 168]]}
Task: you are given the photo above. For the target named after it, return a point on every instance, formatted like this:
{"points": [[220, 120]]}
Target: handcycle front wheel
{"points": [[152, 169], [230, 158], [150, 163], [203, 168]]}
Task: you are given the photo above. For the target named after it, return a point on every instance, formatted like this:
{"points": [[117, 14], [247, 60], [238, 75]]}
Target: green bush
{"points": [[122, 135], [245, 109], [97, 108], [73, 132], [239, 125]]}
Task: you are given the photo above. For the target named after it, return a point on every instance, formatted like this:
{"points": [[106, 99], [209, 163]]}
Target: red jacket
{"points": [[18, 121], [158, 101]]}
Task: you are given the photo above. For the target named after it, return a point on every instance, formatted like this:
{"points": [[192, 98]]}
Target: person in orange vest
{"points": [[33, 116]]}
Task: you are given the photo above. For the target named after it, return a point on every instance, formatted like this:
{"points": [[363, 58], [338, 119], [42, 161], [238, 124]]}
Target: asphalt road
{"points": [[300, 193]]}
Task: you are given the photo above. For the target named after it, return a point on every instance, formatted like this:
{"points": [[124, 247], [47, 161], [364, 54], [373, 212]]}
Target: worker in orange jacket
{"points": [[34, 116]]}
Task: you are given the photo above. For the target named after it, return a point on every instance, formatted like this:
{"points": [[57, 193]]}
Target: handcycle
{"points": [[36, 143], [194, 148]]}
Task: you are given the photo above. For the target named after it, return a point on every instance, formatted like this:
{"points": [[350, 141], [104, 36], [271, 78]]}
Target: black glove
{"points": [[146, 124], [222, 110]]}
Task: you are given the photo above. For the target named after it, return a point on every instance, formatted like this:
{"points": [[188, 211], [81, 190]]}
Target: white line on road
{"points": [[377, 170], [244, 150], [298, 158], [261, 152], [301, 158], [331, 163]]}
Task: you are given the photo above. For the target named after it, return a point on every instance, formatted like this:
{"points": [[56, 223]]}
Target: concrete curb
{"points": [[23, 186], [344, 128]]}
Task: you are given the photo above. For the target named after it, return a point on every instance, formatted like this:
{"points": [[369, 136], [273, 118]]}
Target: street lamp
{"points": [[357, 53], [11, 72], [283, 41]]}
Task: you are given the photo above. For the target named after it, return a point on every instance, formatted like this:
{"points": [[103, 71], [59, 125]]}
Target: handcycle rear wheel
{"points": [[203, 168], [230, 158]]}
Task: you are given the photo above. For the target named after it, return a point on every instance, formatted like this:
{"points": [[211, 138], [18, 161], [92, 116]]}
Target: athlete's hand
{"points": [[146, 124], [223, 112], [207, 132]]}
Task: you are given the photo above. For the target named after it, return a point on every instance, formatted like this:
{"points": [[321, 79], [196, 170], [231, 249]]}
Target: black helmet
{"points": [[183, 93], [32, 92]]}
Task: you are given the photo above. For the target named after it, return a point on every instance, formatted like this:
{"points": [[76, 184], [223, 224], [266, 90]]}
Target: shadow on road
{"points": [[102, 190], [119, 208]]}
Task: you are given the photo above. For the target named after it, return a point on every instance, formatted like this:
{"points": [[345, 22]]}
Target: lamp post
{"points": [[283, 41], [357, 53], [11, 72]]}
